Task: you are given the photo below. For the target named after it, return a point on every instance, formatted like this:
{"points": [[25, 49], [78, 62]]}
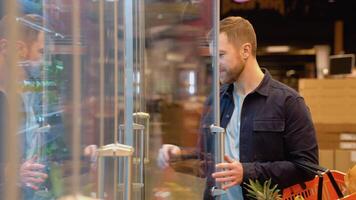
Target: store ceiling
{"points": [[303, 23]]}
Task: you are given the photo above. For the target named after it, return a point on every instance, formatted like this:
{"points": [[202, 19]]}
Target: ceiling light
{"points": [[278, 49]]}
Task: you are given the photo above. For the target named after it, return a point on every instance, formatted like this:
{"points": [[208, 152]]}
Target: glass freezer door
{"points": [[113, 82]]}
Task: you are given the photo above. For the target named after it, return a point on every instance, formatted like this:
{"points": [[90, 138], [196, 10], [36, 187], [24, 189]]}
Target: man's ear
{"points": [[246, 50], [21, 49]]}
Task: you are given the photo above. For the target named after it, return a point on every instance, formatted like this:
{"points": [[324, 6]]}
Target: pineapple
{"points": [[262, 192], [350, 180], [298, 198]]}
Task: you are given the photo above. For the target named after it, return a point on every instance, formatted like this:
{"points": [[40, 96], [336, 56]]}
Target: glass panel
{"points": [[179, 79], [113, 81]]}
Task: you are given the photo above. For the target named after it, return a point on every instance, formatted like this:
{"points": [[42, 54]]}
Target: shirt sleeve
{"points": [[299, 144]]}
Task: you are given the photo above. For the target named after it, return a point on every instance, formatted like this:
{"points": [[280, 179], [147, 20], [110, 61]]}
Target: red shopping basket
{"points": [[327, 185]]}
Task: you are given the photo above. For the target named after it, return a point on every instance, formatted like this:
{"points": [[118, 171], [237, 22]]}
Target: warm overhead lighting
{"points": [[191, 81], [278, 49], [241, 1]]}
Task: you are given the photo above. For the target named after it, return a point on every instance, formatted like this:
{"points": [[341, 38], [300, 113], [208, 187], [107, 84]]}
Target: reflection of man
{"points": [[268, 126], [41, 144], [29, 46]]}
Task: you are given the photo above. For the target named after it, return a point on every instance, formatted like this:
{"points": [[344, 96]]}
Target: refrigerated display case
{"points": [[110, 70]]}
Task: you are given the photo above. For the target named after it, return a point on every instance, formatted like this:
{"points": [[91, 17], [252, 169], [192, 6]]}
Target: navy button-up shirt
{"points": [[276, 130]]}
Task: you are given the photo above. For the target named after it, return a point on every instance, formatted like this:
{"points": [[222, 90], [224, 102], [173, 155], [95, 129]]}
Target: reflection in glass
{"points": [[105, 75]]}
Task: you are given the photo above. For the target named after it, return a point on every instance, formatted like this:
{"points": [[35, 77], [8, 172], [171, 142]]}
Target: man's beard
{"points": [[33, 69]]}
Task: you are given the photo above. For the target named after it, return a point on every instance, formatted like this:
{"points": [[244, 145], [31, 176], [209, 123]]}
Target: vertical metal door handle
{"points": [[115, 150], [219, 155], [146, 117]]}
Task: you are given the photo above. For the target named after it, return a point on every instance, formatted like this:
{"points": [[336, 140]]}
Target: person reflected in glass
{"points": [[45, 149], [268, 125], [29, 49]]}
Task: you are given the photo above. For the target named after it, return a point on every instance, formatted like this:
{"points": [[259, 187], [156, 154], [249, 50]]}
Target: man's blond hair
{"points": [[26, 33], [238, 31]]}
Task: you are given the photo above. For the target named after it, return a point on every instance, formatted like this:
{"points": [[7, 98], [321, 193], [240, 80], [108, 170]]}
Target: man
{"points": [[29, 47], [268, 126], [35, 144]]}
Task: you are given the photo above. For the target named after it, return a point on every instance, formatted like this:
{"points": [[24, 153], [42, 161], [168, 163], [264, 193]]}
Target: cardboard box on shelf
{"points": [[328, 145], [328, 140], [347, 145], [348, 136], [344, 159], [340, 138], [335, 127], [310, 84], [326, 158], [330, 100], [336, 140]]}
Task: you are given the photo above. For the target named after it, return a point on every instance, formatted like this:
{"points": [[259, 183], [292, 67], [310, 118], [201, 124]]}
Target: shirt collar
{"points": [[227, 89], [262, 88]]}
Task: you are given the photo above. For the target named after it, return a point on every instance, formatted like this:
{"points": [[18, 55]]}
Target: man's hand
{"points": [[166, 153], [230, 174], [91, 151], [30, 174]]}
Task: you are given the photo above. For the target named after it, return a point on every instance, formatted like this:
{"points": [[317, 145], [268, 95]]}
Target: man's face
{"points": [[32, 57], [35, 50], [230, 61]]}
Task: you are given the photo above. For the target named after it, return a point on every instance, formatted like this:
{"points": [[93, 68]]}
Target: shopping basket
{"points": [[327, 185]]}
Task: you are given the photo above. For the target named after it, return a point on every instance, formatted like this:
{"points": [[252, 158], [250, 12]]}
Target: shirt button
{"points": [[227, 116]]}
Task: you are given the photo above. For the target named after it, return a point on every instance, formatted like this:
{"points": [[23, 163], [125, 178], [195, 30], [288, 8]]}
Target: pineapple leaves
{"points": [[258, 191]]}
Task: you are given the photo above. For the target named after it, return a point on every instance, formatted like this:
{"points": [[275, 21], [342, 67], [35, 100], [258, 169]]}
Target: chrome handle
{"points": [[146, 117], [138, 158], [115, 150], [219, 153]]}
